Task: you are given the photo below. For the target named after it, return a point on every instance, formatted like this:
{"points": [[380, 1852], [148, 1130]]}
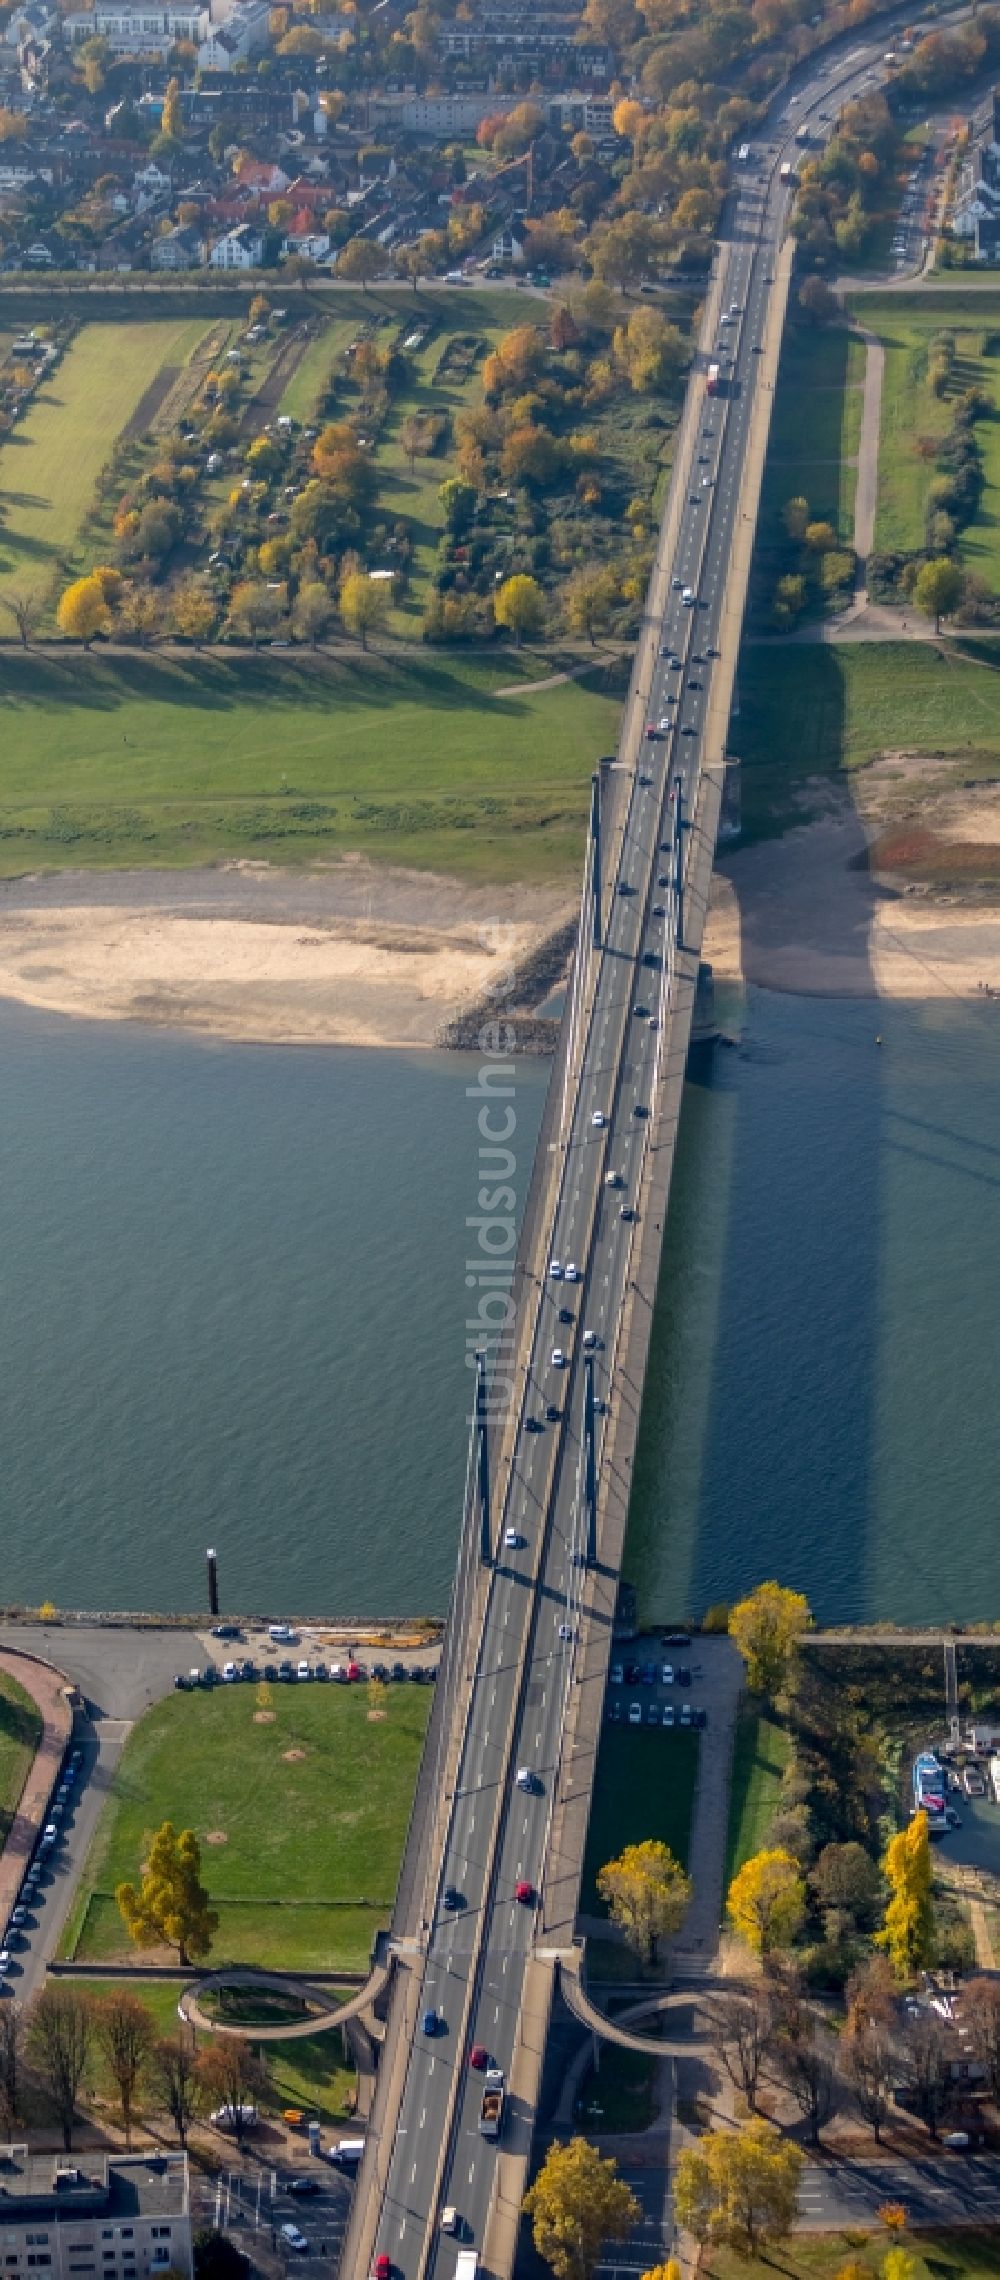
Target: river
{"points": [[232, 1311]]}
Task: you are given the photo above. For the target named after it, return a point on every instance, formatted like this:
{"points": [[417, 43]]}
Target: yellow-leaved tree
{"points": [[363, 604], [518, 606], [738, 2189], [767, 1901], [646, 1893], [765, 1627], [908, 1932], [83, 611], [576, 2204], [170, 1904]]}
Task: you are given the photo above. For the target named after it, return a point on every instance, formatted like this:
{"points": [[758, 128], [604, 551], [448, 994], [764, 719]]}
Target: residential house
{"points": [[179, 248], [241, 248], [977, 204]]}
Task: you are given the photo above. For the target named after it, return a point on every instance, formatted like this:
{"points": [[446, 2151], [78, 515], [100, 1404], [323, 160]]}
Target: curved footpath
{"points": [[47, 1688], [275, 1982]]}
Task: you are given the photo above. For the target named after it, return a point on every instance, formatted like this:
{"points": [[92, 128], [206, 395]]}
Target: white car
{"points": [[555, 1269], [665, 724], [598, 1119], [558, 1358], [229, 1672], [294, 2239], [667, 1674], [304, 1670], [613, 1180], [668, 1714], [565, 1630], [635, 1713], [572, 1271], [512, 1540], [590, 1340]]}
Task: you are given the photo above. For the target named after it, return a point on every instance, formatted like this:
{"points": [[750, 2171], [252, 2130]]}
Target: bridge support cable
{"points": [[577, 987], [589, 1465], [595, 856], [682, 823], [483, 1463]]}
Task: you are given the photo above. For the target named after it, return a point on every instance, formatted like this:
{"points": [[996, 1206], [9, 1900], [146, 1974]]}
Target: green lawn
{"points": [[313, 2072], [112, 760], [20, 1734], [965, 2254], [760, 1754], [315, 370], [619, 2094], [810, 712], [910, 412], [307, 1846], [49, 465], [815, 429], [644, 1788]]}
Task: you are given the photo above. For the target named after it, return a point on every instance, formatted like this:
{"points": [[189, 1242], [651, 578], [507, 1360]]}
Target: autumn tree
{"points": [[766, 1901], [232, 2074], [938, 589], [170, 1905], [795, 516], [413, 437], [138, 614], [576, 2204], [765, 1627], [193, 611], [980, 2014], [908, 1932], [174, 2069], [363, 604], [621, 251], [518, 606], [83, 611], [650, 351], [646, 1894], [360, 260], [926, 2053], [588, 600], [171, 123], [738, 2189], [820, 537], [869, 2063], [254, 608], [60, 2034], [312, 611], [25, 611], [846, 1879], [126, 2032]]}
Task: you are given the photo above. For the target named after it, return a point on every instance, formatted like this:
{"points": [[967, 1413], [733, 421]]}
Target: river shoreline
{"points": [[353, 954]]}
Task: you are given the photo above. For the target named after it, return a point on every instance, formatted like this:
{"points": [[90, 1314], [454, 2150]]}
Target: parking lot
{"points": [[657, 1684]]}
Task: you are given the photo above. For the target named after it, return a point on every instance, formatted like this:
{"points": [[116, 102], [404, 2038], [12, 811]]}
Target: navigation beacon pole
{"points": [[590, 1463], [595, 843], [483, 1463]]}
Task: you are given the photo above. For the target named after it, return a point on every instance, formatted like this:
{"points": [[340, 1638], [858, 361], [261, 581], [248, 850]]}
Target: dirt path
{"points": [[46, 1688]]}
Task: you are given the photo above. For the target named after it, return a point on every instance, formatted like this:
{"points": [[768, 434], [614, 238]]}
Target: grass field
{"points": [[301, 1820], [644, 1788], [112, 760], [760, 1755], [813, 712], [966, 2254], [313, 2071], [49, 465], [20, 1734], [910, 412], [815, 429]]}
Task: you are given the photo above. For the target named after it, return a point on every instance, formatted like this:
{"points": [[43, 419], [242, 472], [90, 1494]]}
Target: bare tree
{"points": [[231, 2071], [25, 611], [11, 2039], [60, 2032], [980, 2013], [805, 2067], [926, 2052], [175, 2070], [869, 2063], [126, 2032], [745, 2023]]}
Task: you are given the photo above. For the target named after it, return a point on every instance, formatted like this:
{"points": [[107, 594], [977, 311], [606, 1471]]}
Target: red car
{"points": [[382, 2268], [524, 1892], [479, 2057]]}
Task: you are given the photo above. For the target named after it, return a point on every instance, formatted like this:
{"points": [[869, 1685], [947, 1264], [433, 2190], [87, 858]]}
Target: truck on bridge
{"points": [[491, 2113]]}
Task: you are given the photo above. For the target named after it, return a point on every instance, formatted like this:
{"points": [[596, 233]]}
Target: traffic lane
{"points": [[60, 1869], [253, 2200], [650, 2243], [948, 2189]]}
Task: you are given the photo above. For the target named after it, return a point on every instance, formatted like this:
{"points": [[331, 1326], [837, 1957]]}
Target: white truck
{"points": [[995, 1777], [466, 2264]]}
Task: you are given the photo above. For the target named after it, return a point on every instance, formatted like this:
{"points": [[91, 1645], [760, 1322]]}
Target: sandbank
{"points": [[352, 954]]}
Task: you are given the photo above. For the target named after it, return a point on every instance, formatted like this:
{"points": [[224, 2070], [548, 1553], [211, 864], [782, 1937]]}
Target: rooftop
{"points": [[122, 2185]]}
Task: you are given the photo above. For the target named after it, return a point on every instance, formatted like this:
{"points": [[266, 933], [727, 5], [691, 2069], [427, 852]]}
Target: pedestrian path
{"points": [[47, 1688]]}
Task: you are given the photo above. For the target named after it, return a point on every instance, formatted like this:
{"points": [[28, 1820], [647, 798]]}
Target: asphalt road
{"points": [[473, 1977], [946, 2189], [251, 2202]]}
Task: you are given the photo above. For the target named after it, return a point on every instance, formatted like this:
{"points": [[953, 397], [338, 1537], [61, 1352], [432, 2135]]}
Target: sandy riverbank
{"points": [[355, 954], [804, 915]]}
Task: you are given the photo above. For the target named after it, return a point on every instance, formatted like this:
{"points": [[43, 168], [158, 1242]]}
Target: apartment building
{"points": [[117, 2216]]}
